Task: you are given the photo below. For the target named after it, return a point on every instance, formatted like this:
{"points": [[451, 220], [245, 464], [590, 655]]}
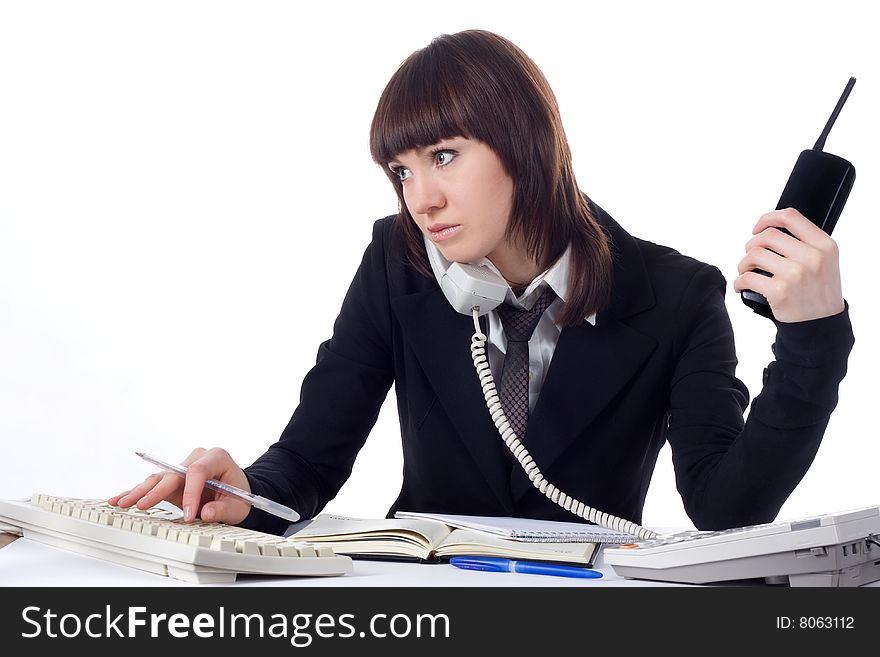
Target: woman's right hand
{"points": [[190, 494]]}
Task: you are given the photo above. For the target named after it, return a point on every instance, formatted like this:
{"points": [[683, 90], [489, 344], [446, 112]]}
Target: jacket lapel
{"points": [[590, 366], [591, 363], [440, 338]]}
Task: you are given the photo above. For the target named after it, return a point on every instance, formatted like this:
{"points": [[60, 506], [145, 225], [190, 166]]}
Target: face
{"points": [[460, 196]]}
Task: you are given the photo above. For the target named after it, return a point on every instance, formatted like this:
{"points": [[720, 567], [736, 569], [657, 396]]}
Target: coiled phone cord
{"points": [[521, 454]]}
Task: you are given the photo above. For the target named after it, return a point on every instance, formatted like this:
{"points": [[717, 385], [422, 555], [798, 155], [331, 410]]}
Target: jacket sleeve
{"points": [[339, 404], [733, 472]]}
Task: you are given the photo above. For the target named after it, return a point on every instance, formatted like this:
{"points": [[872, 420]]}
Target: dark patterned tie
{"points": [[518, 328]]}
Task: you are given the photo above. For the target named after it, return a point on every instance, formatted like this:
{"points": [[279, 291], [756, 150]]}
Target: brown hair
{"points": [[478, 85]]}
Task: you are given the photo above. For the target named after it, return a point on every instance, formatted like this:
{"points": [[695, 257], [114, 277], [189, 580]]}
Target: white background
{"points": [[186, 191]]}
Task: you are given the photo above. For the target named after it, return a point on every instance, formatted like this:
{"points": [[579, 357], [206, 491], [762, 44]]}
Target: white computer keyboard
{"points": [[835, 549], [159, 541]]}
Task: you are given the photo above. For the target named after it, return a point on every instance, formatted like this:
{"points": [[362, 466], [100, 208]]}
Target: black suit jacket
{"points": [[658, 365]]}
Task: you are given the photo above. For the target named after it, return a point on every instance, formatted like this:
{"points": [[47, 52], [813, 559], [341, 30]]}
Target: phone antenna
{"points": [[820, 143]]}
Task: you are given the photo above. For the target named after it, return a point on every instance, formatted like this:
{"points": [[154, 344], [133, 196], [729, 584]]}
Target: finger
{"points": [[795, 223], [130, 497], [191, 497], [112, 501], [760, 258], [780, 242], [755, 282], [167, 488], [194, 455], [197, 473], [225, 509]]}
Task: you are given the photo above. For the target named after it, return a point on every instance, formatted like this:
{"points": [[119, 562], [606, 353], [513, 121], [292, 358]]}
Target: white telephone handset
{"points": [[468, 287], [475, 291]]}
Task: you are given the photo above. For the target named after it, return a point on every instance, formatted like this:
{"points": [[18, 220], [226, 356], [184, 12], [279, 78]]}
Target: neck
{"points": [[517, 269]]}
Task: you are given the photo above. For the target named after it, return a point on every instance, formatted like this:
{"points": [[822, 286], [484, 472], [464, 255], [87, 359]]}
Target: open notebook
{"points": [[427, 538]]}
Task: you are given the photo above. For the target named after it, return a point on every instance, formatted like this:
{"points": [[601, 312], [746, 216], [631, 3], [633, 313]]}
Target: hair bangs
{"points": [[419, 107]]}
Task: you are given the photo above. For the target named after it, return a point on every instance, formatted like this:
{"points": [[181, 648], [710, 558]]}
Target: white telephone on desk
{"points": [[475, 291]]}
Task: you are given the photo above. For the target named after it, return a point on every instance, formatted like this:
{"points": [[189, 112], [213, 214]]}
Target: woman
{"points": [[635, 346]]}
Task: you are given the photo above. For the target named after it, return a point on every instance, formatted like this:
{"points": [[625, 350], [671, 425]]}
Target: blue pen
{"points": [[496, 565]]}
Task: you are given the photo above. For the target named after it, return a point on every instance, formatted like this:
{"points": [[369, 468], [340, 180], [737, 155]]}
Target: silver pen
{"points": [[262, 503]]}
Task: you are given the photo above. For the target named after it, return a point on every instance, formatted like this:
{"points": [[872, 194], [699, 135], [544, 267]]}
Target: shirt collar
{"points": [[556, 277]]}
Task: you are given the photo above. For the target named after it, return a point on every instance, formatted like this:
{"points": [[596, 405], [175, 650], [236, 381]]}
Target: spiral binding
{"points": [[519, 451], [571, 537]]}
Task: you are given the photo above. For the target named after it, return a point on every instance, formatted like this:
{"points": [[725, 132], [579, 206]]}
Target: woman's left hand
{"points": [[806, 271]]}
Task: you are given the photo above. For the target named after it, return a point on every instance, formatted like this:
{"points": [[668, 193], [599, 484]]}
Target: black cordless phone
{"points": [[818, 188]]}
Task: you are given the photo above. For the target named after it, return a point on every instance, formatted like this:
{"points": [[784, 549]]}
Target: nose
{"points": [[423, 195]]}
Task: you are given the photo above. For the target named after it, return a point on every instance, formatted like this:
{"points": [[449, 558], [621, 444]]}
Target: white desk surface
{"points": [[28, 563]]}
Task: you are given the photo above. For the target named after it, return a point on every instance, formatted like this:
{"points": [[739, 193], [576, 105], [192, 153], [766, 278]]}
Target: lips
{"points": [[440, 232]]}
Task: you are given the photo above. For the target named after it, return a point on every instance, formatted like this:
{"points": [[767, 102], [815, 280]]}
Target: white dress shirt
{"points": [[543, 341]]}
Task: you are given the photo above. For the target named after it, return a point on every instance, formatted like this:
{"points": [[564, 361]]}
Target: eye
{"points": [[444, 157], [402, 173]]}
